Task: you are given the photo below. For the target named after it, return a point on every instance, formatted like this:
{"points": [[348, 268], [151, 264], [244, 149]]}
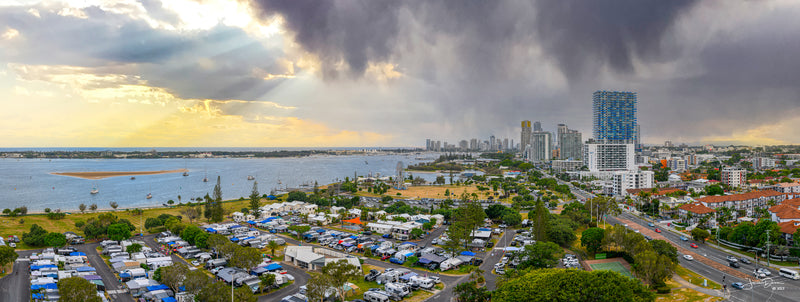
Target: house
{"points": [[693, 212], [304, 256], [401, 232], [746, 201], [788, 229], [309, 209], [483, 235], [379, 228], [791, 187], [783, 213]]}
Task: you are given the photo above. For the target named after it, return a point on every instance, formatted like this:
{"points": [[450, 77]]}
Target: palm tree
{"points": [[273, 246]]}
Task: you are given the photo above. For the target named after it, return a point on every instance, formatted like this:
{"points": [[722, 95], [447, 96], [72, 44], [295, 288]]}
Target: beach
{"points": [[107, 174]]}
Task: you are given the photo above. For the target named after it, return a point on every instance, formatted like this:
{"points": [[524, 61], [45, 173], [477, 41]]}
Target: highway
{"points": [[772, 288]]}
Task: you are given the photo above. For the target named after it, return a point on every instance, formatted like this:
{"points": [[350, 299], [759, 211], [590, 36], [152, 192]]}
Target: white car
{"points": [[435, 279], [195, 263], [688, 257]]}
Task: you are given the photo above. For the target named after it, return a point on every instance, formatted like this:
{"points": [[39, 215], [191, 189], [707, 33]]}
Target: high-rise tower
{"points": [[525, 135], [614, 117]]}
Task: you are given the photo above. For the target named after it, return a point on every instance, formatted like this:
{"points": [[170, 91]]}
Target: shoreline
{"points": [[107, 174]]}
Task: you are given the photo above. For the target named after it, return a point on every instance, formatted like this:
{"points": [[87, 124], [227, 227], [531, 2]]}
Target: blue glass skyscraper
{"points": [[614, 117]]}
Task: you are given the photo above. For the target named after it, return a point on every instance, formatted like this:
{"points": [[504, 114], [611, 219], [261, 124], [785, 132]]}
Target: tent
{"points": [[77, 254], [274, 266], [467, 253], [356, 220], [272, 197]]}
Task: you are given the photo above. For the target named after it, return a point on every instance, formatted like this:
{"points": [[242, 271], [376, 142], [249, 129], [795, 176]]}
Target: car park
{"points": [[688, 257]]}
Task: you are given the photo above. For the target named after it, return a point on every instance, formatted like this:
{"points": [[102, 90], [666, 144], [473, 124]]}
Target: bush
{"points": [[56, 215], [663, 290], [80, 224]]}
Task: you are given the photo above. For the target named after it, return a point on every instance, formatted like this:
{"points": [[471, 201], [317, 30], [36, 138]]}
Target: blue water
{"points": [[28, 182]]}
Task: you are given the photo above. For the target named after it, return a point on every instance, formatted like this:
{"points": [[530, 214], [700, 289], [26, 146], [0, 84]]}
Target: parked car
{"points": [[651, 225], [688, 257], [648, 238], [435, 241], [693, 245], [386, 257], [764, 271]]}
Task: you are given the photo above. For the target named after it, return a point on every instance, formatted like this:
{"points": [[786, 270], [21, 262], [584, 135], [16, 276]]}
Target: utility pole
{"points": [[767, 248]]}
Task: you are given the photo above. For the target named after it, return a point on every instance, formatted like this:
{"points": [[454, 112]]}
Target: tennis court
{"points": [[612, 266]]}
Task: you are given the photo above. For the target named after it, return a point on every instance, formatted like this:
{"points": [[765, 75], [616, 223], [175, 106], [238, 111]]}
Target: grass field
{"points": [[436, 191], [612, 266]]}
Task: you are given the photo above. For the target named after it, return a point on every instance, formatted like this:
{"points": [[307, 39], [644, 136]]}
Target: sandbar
{"points": [[107, 174]]}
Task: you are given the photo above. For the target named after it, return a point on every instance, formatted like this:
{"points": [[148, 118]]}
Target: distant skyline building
{"points": [[570, 143], [537, 126], [525, 135], [614, 114], [733, 177], [541, 146]]}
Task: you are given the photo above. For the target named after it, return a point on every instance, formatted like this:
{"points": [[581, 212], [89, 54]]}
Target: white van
{"points": [[789, 273]]}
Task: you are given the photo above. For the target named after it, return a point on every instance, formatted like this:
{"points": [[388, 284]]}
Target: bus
{"points": [[789, 273]]}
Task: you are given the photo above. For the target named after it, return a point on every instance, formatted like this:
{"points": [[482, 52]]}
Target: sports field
{"points": [[612, 266]]}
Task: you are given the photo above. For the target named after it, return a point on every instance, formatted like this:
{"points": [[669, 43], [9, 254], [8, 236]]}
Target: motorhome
{"points": [[399, 289], [372, 296]]}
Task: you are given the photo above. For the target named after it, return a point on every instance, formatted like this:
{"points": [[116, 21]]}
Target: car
{"points": [[195, 262], [489, 244], [435, 241], [744, 260], [499, 271], [733, 264], [651, 225], [12, 244], [386, 257], [763, 271], [658, 231], [737, 285], [648, 238], [435, 279], [367, 233], [732, 259], [693, 245], [683, 238], [688, 257], [758, 274], [502, 226]]}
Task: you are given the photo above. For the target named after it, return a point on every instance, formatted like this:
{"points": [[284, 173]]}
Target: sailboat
{"points": [[186, 173], [94, 191], [250, 177], [149, 195]]}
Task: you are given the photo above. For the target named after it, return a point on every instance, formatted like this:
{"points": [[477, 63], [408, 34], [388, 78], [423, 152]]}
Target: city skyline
{"points": [[265, 73]]}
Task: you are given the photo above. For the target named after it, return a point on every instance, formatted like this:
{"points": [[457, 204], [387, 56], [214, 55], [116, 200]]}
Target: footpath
{"points": [[707, 291]]}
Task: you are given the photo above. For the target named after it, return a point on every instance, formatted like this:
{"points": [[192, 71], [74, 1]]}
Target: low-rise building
{"points": [[694, 212], [746, 201]]}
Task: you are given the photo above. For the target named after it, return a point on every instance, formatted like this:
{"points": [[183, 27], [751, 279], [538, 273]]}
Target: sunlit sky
{"points": [[264, 73]]}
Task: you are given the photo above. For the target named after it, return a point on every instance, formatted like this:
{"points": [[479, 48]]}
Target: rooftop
{"points": [[740, 197], [697, 208]]}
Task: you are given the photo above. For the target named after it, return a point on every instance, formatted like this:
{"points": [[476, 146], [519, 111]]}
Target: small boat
{"points": [[205, 179], [250, 177], [94, 191], [133, 177], [149, 195], [186, 173]]}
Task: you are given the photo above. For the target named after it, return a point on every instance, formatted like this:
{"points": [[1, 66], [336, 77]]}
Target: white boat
{"points": [[149, 195], [250, 177], [94, 191]]}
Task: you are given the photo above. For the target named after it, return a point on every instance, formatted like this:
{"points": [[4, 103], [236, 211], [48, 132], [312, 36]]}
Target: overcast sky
{"points": [[390, 73]]}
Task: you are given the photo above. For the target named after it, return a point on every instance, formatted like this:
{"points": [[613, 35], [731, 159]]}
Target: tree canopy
{"points": [[77, 289], [572, 285]]}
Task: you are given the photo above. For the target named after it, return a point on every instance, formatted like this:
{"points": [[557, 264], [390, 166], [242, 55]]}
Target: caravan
{"points": [[372, 296], [422, 282], [399, 289]]}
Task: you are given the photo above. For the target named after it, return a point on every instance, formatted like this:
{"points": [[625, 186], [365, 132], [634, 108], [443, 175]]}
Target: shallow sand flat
{"points": [[107, 174]]}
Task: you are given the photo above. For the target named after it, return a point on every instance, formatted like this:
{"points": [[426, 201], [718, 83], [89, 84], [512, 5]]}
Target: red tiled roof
{"points": [[785, 212], [697, 208], [740, 197], [792, 202], [789, 227], [661, 191]]}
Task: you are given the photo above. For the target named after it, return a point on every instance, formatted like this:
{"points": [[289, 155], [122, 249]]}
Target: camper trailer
{"points": [[399, 289], [423, 282]]}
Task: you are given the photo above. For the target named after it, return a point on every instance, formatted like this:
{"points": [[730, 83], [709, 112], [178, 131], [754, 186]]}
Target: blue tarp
{"points": [[409, 242], [38, 267], [157, 287], [182, 288], [251, 222], [77, 254], [246, 238], [37, 296], [168, 299], [321, 231], [424, 260], [408, 276], [375, 247], [272, 197], [45, 286], [234, 239], [211, 230], [308, 236], [85, 269], [467, 253], [124, 275], [484, 229], [353, 237], [274, 266], [409, 254], [236, 226]]}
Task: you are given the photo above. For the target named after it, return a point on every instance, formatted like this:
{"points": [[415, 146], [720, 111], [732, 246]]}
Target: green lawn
{"points": [[612, 266]]}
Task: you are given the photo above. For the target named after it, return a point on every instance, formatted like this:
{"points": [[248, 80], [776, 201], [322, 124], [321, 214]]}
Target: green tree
{"points": [[7, 255], [652, 267], [55, 239], [560, 232], [119, 231], [470, 292], [341, 272], [255, 198], [214, 292], [512, 218], [267, 281], [664, 248], [701, 235], [540, 255], [195, 281], [152, 223], [113, 205], [541, 215], [218, 190], [592, 239], [191, 213], [495, 211], [173, 275], [77, 289], [82, 208], [36, 236], [296, 195], [245, 258], [201, 240], [244, 294], [93, 207], [416, 233], [300, 229], [215, 241], [317, 287], [572, 285], [190, 232], [272, 245], [134, 248]]}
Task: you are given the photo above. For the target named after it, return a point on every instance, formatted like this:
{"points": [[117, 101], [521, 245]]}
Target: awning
{"points": [[234, 239], [353, 237], [274, 266], [272, 197], [321, 231], [92, 277], [356, 220], [424, 260], [45, 286], [408, 276], [124, 275], [409, 242], [157, 287], [211, 230], [77, 254], [409, 254], [484, 229], [467, 253], [250, 222], [85, 269]]}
